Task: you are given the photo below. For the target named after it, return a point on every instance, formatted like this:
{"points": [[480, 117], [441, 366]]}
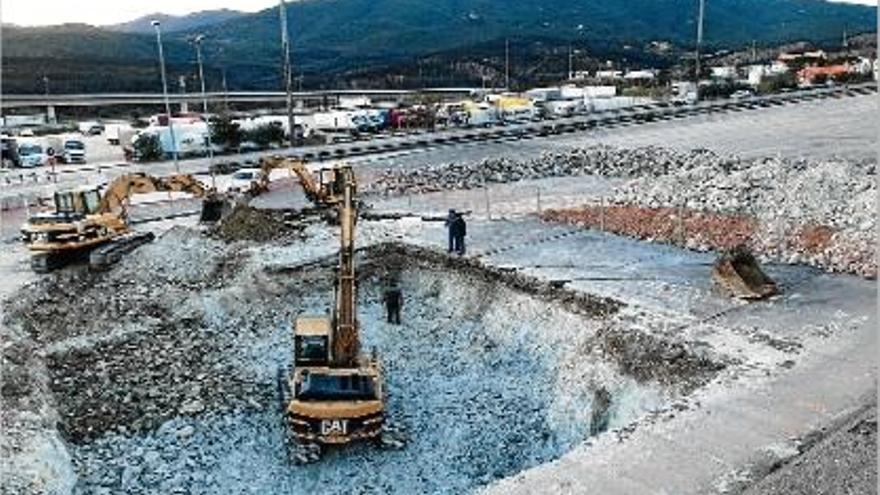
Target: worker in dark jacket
{"points": [[393, 302], [450, 227], [460, 228]]}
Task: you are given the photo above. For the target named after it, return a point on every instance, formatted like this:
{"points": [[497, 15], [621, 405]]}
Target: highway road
{"points": [[781, 124]]}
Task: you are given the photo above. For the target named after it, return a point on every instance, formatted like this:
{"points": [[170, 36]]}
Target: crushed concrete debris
{"points": [[793, 211], [594, 160], [245, 223], [164, 378]]}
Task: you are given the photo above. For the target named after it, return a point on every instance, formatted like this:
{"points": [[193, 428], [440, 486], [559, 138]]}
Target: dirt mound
{"points": [[245, 223]]}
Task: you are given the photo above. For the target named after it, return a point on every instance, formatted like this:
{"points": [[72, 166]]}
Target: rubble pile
{"points": [[820, 213], [695, 230], [245, 223], [594, 160], [817, 213]]}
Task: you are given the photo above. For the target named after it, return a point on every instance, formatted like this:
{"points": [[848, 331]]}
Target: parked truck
{"points": [[188, 140], [114, 133], [9, 152], [66, 149]]}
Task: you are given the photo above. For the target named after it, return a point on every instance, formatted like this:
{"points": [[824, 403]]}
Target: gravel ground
{"points": [[164, 375], [841, 461]]}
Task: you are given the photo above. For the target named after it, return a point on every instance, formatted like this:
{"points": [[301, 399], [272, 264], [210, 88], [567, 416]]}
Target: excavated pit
{"points": [[168, 384]]}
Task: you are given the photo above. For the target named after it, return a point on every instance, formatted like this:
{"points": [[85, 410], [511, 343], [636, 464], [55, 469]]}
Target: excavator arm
{"points": [[125, 186], [346, 341]]}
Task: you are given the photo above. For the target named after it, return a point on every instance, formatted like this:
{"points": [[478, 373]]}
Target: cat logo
{"points": [[334, 427]]}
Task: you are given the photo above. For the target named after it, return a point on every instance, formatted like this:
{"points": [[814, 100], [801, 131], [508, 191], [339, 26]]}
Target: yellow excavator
{"points": [[85, 220], [335, 394], [324, 189]]}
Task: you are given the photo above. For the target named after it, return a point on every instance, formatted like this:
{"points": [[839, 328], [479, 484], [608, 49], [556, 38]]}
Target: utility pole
{"points": [[50, 108], [699, 45], [198, 44], [507, 63], [209, 144], [157, 25], [754, 51], [288, 68], [570, 63]]}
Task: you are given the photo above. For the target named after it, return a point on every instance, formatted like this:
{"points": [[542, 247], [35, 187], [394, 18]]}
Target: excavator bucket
{"points": [[739, 274], [213, 210]]}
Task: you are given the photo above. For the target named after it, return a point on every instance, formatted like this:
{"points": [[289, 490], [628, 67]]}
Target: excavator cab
{"points": [[83, 202]]}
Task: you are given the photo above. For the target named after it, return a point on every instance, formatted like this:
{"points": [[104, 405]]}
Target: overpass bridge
{"points": [[315, 97]]}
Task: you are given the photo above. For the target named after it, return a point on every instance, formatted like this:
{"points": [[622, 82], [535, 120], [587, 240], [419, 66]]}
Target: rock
{"points": [[186, 431], [192, 407]]}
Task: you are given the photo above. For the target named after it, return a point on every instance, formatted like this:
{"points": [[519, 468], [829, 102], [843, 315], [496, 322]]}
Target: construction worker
{"points": [[460, 228], [393, 302], [450, 227]]}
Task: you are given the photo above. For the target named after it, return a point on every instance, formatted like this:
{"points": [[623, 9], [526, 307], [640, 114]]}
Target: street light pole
{"points": [[507, 64], [157, 24], [699, 45], [208, 144], [288, 68]]}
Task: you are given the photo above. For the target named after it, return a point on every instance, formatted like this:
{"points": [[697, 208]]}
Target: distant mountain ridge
{"points": [[171, 23], [333, 37]]}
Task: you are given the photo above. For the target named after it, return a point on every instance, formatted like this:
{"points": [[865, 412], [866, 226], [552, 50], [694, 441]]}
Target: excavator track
{"points": [[109, 254]]}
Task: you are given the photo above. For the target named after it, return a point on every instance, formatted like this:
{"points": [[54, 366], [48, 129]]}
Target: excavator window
{"points": [[312, 349], [317, 386], [64, 202], [91, 201]]}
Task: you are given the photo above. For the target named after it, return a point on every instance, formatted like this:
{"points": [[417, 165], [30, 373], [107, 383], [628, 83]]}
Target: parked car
{"points": [[243, 180], [224, 168], [741, 94], [31, 155]]}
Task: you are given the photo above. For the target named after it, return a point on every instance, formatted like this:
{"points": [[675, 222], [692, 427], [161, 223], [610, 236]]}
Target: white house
{"points": [[609, 74], [724, 72], [757, 74], [640, 75]]}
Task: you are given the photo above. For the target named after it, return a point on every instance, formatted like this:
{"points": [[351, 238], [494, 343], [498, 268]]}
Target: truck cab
{"points": [[74, 151]]}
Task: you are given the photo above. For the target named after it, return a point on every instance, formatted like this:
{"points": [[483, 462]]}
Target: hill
{"points": [[172, 23], [333, 38]]}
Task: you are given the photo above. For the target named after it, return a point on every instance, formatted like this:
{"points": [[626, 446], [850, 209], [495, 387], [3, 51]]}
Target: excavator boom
{"points": [[123, 187], [346, 344]]}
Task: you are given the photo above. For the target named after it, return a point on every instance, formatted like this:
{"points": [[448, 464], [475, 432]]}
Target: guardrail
{"points": [[658, 111]]}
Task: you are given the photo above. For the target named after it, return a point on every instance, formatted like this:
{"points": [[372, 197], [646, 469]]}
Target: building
{"points": [[609, 74], [812, 75], [779, 67], [806, 56], [724, 72], [640, 75]]}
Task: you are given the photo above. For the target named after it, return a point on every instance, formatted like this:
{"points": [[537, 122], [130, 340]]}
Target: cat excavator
{"points": [[324, 189], [335, 394], [89, 221]]}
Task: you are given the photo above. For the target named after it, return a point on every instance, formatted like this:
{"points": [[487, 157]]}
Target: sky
{"points": [[99, 12]]}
